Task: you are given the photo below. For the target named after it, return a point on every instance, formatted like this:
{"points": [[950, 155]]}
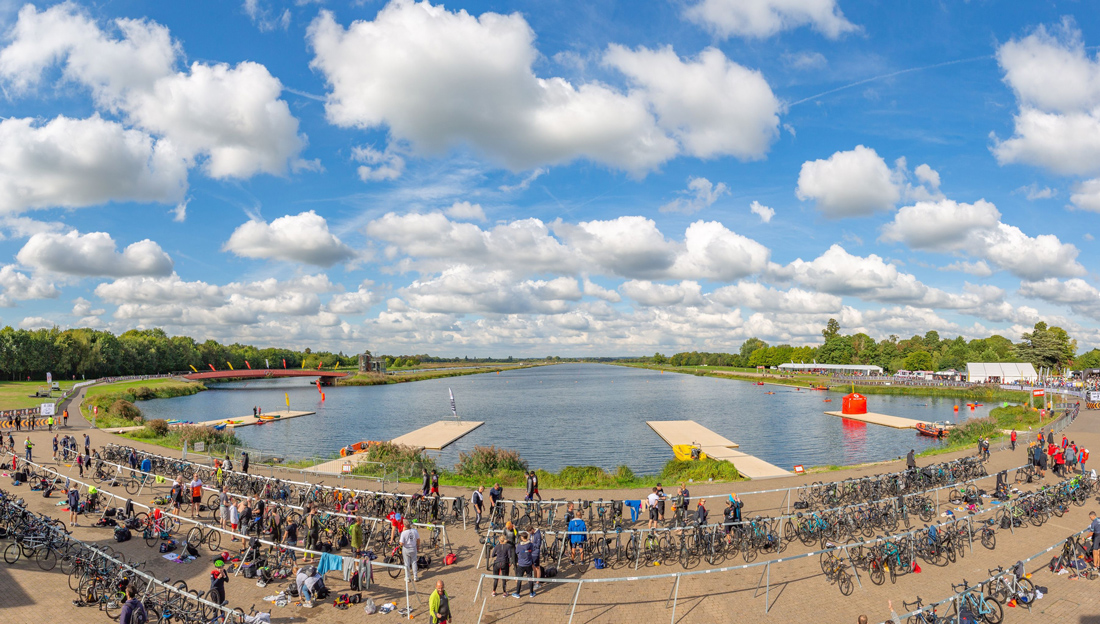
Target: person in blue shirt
{"points": [[578, 534], [525, 562], [147, 465]]}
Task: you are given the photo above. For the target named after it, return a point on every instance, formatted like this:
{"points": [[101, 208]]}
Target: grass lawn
{"points": [[104, 395], [13, 394]]}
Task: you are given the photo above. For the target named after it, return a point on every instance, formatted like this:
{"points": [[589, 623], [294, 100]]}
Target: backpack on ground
{"points": [[355, 580], [450, 559], [423, 562], [599, 564], [550, 572], [133, 524], [122, 534]]}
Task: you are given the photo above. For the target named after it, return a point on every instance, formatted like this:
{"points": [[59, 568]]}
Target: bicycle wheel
{"points": [[844, 582], [878, 576], [132, 486], [989, 539], [213, 540], [12, 553], [195, 537], [75, 574], [113, 606], [994, 612], [46, 558], [151, 537], [397, 561]]}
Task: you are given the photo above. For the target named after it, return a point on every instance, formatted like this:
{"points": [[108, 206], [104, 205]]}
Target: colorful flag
{"points": [[230, 365], [287, 397], [267, 363], [193, 368], [248, 365], [284, 363], [454, 408], [319, 363], [212, 368]]}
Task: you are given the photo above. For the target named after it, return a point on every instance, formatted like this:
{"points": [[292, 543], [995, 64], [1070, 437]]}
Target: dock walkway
{"points": [[676, 432], [435, 436], [897, 422]]}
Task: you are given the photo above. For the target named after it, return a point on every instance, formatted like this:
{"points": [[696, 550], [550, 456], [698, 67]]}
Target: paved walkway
{"points": [[797, 590]]}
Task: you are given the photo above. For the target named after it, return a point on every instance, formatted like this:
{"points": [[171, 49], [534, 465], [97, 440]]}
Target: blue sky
{"points": [[532, 178]]}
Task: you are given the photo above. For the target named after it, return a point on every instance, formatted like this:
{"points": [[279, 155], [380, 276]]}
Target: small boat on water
{"points": [[685, 452], [220, 427], [820, 388], [769, 393], [358, 447], [932, 430], [759, 383]]}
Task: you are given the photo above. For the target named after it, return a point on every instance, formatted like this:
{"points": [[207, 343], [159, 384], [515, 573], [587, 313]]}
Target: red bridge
{"points": [[326, 377]]}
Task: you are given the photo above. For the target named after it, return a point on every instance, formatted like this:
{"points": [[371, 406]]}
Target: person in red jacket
{"points": [[1014, 439]]}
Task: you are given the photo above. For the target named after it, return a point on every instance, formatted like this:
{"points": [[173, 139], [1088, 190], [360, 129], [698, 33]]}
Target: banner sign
{"points": [[1038, 393], [47, 409]]}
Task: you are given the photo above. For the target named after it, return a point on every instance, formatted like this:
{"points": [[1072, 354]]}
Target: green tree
{"points": [[837, 350], [918, 361], [658, 358], [832, 329], [751, 345]]}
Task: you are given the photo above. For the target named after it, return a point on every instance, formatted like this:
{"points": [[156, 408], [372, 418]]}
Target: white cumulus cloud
{"points": [[764, 18], [17, 286], [303, 237], [765, 213], [702, 193], [855, 183], [93, 254], [438, 79], [466, 211], [73, 163]]}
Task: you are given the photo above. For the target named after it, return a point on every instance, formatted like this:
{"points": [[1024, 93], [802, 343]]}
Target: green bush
{"points": [[487, 460], [125, 409], [198, 433], [143, 393], [406, 460], [699, 470], [158, 427]]}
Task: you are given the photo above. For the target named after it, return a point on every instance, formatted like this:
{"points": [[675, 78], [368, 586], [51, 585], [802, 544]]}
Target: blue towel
{"points": [[328, 563], [635, 508]]}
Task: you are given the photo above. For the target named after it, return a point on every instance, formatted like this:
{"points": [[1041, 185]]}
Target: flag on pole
{"points": [[267, 363], [287, 397], [303, 363], [318, 385], [248, 365], [284, 363], [454, 408], [319, 363], [212, 368], [230, 365], [193, 368]]}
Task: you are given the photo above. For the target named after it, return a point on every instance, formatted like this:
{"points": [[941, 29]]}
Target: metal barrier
{"points": [[209, 527], [953, 600]]}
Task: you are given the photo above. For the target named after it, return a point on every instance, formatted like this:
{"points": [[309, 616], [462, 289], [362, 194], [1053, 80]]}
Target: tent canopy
{"points": [[1002, 372]]}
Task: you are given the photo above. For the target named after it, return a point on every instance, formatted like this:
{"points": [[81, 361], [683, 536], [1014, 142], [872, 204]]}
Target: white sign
{"points": [[199, 447], [47, 409], [1093, 395]]}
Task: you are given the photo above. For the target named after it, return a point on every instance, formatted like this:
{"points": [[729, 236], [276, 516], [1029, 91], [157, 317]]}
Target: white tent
{"points": [[1004, 372]]}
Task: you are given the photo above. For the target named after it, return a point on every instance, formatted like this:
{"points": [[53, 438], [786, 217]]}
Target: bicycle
{"points": [[985, 607]]}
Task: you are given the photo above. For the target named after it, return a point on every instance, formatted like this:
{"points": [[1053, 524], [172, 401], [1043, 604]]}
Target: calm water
{"points": [[570, 414]]}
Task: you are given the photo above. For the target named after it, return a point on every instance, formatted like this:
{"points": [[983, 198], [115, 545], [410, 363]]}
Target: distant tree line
{"points": [[90, 353], [1047, 347]]}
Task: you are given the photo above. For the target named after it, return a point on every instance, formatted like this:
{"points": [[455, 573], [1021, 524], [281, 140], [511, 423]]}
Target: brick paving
{"points": [[797, 590]]}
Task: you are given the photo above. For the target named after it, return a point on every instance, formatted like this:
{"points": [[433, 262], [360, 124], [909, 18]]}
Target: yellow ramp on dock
{"points": [[676, 432], [897, 422]]}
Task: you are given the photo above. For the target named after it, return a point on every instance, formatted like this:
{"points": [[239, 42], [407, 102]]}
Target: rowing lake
{"points": [[570, 414]]}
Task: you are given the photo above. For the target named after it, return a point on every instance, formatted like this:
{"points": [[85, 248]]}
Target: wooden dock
{"points": [[245, 421], [897, 422], [438, 435], [435, 437], [676, 432]]}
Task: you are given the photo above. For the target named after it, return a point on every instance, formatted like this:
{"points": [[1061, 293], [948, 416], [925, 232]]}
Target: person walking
{"points": [[65, 418], [244, 462], [55, 449], [1083, 458], [524, 563], [535, 485], [478, 499], [503, 555], [74, 505], [29, 446], [434, 483], [87, 445], [80, 464], [223, 507], [49, 422], [1012, 437], [439, 605], [410, 547], [911, 461], [133, 610], [425, 482]]}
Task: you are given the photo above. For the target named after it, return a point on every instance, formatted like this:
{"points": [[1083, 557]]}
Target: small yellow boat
{"points": [[684, 452]]}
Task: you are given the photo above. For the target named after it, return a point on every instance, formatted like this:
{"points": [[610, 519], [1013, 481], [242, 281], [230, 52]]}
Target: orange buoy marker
{"points": [[956, 408]]}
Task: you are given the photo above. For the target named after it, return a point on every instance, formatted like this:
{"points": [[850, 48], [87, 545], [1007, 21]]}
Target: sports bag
{"points": [[122, 534], [450, 559]]}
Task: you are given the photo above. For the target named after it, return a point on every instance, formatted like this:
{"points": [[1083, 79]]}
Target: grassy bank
{"points": [[158, 432], [423, 374], [13, 394], [1000, 419], [489, 465], [116, 401]]}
